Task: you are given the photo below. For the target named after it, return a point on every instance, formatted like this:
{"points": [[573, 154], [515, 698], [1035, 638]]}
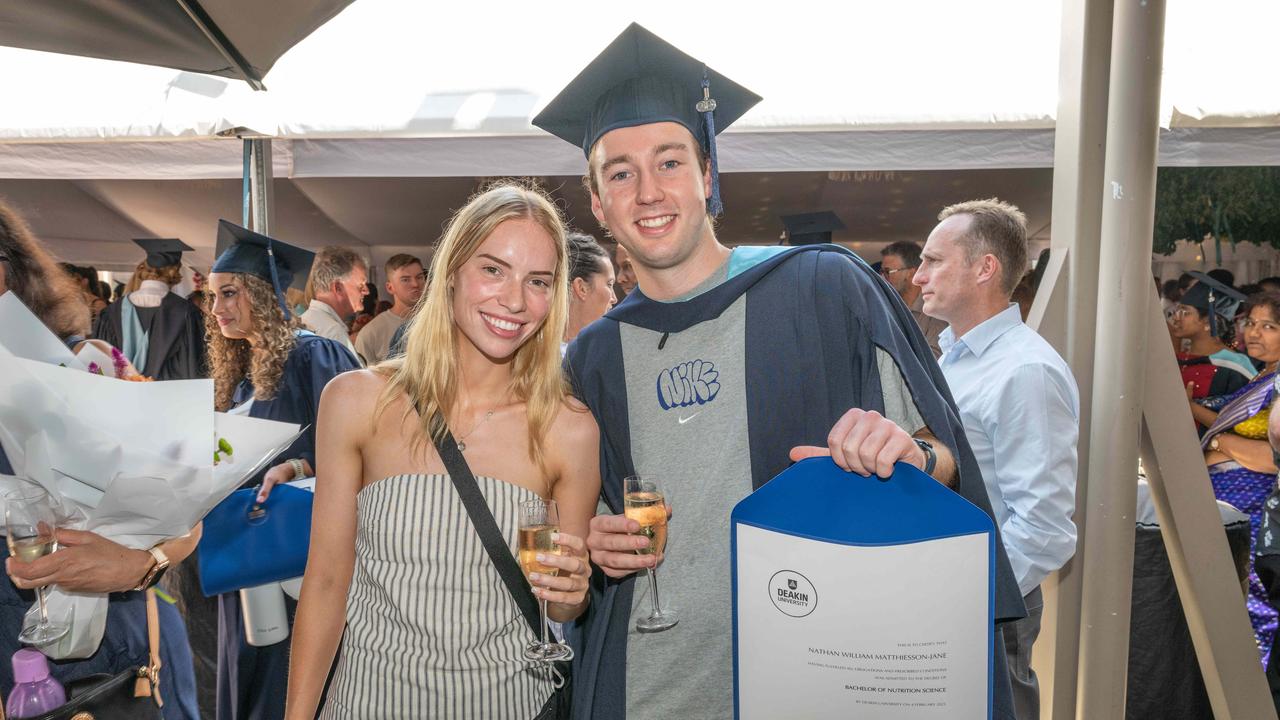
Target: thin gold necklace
{"points": [[462, 445]]}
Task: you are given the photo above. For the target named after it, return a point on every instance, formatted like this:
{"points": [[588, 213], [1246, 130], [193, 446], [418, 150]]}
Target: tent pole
{"points": [[1070, 315], [1124, 290], [258, 181], [221, 43]]}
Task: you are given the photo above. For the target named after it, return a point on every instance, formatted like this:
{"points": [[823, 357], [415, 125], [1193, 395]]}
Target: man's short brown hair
{"points": [[398, 261], [332, 263], [997, 228]]}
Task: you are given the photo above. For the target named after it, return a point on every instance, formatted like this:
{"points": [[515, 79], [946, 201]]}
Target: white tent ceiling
{"points": [[388, 116]]}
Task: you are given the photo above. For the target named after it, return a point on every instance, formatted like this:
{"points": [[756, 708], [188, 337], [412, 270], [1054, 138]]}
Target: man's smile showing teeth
{"points": [[655, 222]]}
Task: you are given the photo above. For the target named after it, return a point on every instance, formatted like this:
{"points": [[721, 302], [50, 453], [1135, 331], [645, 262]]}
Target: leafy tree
{"points": [[1236, 204]]}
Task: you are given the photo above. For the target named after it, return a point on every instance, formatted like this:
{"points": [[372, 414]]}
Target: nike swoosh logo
{"points": [[684, 420]]}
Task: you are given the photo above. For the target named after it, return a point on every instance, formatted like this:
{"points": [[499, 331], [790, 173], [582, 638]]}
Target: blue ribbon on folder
{"points": [[245, 544]]}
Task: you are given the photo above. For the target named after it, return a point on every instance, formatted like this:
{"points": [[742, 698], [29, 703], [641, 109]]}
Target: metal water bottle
{"points": [[266, 622]]}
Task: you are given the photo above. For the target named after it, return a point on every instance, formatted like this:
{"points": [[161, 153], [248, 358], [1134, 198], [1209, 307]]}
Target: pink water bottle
{"points": [[34, 692]]}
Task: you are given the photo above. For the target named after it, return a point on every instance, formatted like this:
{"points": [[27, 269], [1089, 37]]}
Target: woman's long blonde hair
{"points": [[231, 361], [428, 371]]}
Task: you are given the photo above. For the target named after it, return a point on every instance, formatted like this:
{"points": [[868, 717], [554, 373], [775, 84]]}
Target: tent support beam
{"points": [[258, 181], [1065, 308], [219, 41], [1124, 291]]}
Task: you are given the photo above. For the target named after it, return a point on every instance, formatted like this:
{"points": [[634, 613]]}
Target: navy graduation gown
{"points": [[252, 680], [175, 331], [812, 312]]}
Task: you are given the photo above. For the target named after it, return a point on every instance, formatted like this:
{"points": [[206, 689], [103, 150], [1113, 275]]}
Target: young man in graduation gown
{"points": [[161, 333], [721, 369]]}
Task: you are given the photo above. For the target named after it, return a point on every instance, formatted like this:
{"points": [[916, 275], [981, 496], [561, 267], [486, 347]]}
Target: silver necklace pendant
{"points": [[462, 447]]}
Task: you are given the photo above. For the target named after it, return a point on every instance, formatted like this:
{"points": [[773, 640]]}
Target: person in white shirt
{"points": [[1017, 399], [336, 289], [405, 282]]}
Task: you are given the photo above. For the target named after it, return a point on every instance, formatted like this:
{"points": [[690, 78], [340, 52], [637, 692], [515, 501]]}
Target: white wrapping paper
{"points": [[132, 461]]}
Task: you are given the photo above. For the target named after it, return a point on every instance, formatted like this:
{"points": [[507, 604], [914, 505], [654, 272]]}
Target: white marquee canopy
{"points": [[405, 89]]}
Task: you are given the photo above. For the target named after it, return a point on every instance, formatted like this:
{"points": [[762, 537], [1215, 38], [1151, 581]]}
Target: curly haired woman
{"points": [[263, 366]]}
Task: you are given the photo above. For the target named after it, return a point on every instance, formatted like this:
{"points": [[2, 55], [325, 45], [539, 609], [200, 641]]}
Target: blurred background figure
{"points": [[625, 275], [591, 284], [1202, 323], [1241, 465], [160, 332], [406, 280], [898, 263], [336, 291]]}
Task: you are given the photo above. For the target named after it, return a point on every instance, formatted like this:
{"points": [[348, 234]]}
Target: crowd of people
{"points": [[537, 355]]}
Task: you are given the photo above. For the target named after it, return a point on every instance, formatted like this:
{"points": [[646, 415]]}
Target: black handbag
{"points": [[557, 706], [132, 694]]}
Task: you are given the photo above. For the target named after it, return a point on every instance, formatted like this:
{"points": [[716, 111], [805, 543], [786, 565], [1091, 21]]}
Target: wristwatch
{"points": [[1213, 444], [157, 569], [930, 457], [299, 470]]}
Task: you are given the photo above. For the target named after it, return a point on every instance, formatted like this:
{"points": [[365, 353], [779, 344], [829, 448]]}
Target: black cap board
{"points": [[641, 79], [244, 251], [163, 252], [811, 228], [1213, 298]]}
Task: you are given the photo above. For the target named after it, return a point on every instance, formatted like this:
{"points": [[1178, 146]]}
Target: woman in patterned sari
{"points": [[1237, 452]]}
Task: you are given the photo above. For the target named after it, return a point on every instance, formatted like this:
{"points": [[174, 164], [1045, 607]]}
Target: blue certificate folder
{"points": [[859, 597], [245, 544]]}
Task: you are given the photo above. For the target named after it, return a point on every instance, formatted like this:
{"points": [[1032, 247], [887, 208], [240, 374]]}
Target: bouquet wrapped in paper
{"points": [[131, 461]]}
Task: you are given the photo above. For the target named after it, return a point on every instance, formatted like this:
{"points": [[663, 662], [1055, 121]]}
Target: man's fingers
{"points": [[852, 445], [839, 432], [70, 538], [620, 524], [618, 565], [617, 542], [804, 452]]}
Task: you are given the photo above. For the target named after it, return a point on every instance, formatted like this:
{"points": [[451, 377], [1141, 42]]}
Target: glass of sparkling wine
{"points": [[30, 520], [644, 502], [539, 520]]}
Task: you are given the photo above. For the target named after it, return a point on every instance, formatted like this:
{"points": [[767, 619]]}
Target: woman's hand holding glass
{"points": [[568, 587]]}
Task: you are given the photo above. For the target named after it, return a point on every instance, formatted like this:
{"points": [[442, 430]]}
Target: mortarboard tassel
{"points": [[1213, 315], [707, 106], [275, 280]]}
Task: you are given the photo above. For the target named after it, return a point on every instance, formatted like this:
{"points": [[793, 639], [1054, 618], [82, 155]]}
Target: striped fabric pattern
{"points": [[432, 632]]}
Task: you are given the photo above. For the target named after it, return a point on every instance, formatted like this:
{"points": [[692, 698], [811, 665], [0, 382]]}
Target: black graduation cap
{"points": [[163, 252], [244, 251], [811, 228], [1212, 298], [641, 79]]}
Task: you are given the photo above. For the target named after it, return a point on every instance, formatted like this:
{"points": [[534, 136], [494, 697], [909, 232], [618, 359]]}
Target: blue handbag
{"points": [[246, 544]]}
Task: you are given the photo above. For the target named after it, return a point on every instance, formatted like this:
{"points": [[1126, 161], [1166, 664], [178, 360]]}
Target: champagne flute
{"points": [[539, 520], [30, 520], [644, 502]]}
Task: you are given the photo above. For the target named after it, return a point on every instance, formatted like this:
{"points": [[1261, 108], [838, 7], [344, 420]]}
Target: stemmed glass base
{"points": [[658, 619], [548, 652], [42, 634], [657, 622]]}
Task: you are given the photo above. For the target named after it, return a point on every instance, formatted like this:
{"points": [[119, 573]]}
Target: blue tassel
{"points": [[707, 107], [275, 281]]}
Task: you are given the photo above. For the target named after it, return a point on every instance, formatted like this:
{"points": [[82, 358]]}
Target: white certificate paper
{"points": [[827, 630]]}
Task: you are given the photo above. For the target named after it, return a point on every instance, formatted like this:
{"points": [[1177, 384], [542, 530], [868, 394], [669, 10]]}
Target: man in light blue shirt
{"points": [[1017, 399]]}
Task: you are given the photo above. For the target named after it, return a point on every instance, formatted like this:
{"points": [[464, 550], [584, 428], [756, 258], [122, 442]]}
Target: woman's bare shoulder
{"points": [[354, 391], [574, 426]]}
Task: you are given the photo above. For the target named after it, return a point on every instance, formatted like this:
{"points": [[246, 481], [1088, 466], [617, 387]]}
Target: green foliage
{"points": [[1235, 204]]}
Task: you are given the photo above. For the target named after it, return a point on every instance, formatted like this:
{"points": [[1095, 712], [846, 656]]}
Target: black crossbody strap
{"points": [[487, 528]]}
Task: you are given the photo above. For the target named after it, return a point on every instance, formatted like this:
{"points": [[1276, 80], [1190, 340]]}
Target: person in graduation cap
{"points": [[797, 352], [160, 332], [1211, 371], [263, 365]]}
